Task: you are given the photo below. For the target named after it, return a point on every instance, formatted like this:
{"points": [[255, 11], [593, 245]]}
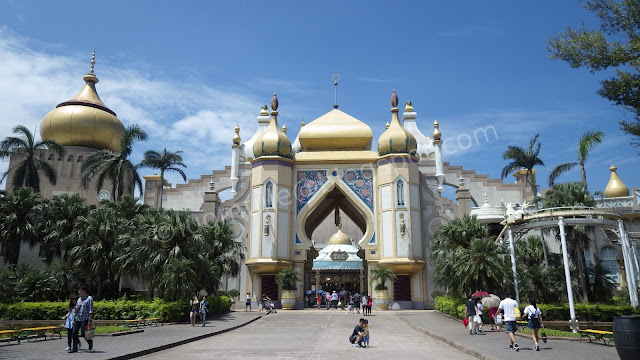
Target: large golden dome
{"points": [[273, 141], [396, 139], [84, 120], [335, 130], [339, 238]]}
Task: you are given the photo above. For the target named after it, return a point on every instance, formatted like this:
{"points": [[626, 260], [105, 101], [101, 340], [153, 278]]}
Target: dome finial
{"points": [[408, 107], [236, 137], [394, 99], [615, 187], [335, 79], [274, 102], [387, 125], [93, 60], [437, 135], [284, 128]]}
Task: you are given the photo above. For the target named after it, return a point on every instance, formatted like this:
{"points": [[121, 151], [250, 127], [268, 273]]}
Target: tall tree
{"points": [[568, 195], [58, 220], [587, 142], [115, 165], [25, 147], [19, 214], [615, 45], [522, 158], [164, 161]]}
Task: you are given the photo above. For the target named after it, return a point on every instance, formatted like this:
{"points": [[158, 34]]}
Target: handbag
{"points": [[465, 321], [89, 334], [477, 319], [544, 337]]}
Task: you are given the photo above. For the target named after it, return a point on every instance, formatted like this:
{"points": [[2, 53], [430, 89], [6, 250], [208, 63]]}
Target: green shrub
{"points": [[450, 306], [169, 311]]}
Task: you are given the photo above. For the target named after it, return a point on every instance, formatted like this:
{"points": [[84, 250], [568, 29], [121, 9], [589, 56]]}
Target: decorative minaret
{"points": [[398, 230], [235, 160], [437, 141], [269, 248]]}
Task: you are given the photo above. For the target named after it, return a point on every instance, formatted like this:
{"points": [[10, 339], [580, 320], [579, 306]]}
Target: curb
{"points": [[451, 343], [181, 342]]}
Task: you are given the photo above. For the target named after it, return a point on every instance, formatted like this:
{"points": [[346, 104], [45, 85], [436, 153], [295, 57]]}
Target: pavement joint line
{"points": [[181, 342], [451, 343]]}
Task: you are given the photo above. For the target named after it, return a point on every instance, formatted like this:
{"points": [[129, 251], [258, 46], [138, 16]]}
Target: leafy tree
{"points": [[287, 279], [115, 165], [615, 45], [58, 219], [19, 214], [535, 280], [381, 274], [587, 142], [178, 279], [164, 161], [464, 258], [569, 195], [128, 207], [24, 147], [522, 158], [95, 239]]}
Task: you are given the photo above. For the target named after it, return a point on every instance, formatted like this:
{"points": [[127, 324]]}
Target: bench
{"points": [[39, 332], [132, 323], [12, 335], [606, 336], [150, 321], [523, 324]]}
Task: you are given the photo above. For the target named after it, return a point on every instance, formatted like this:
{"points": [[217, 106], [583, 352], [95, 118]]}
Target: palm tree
{"points": [[26, 172], [19, 214], [165, 161], [568, 195], [464, 258], [115, 165], [524, 159], [128, 207], [587, 142], [287, 279], [58, 220]]}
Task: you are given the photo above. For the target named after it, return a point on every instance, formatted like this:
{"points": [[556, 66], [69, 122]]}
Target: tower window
{"points": [[400, 193], [608, 255], [268, 195]]}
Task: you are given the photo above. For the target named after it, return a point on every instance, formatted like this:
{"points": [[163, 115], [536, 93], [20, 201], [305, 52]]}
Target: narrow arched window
{"points": [[268, 195], [400, 192]]}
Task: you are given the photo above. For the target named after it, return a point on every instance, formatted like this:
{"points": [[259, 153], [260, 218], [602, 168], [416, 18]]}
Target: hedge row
{"points": [[112, 309], [584, 312]]}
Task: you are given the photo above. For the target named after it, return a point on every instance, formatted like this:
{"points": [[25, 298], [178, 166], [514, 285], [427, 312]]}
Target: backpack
{"points": [[516, 311]]}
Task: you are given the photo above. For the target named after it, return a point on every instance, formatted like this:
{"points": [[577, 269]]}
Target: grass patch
{"points": [[109, 329], [552, 332]]}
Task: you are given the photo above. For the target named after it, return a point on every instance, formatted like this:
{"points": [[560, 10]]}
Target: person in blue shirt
{"points": [[68, 324], [204, 309], [83, 318]]}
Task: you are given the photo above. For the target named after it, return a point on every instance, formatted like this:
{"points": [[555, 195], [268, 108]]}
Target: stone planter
{"points": [[288, 299], [382, 299]]}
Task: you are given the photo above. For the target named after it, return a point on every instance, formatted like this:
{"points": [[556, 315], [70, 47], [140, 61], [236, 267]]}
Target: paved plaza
{"points": [[310, 334]]}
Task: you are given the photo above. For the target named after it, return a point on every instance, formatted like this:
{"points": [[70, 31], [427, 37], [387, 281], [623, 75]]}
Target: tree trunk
{"points": [[161, 186], [579, 257], [544, 249], [584, 176]]}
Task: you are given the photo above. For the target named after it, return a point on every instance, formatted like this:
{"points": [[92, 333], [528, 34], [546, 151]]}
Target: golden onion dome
{"points": [[396, 139], [437, 135], [339, 238], [615, 187], [335, 130], [273, 141], [84, 120]]}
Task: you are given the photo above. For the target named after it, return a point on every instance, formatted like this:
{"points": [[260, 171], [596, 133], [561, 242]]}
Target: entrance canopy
{"points": [[340, 254]]}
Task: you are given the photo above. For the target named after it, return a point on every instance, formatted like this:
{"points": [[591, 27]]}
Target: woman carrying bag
{"points": [[533, 313]]}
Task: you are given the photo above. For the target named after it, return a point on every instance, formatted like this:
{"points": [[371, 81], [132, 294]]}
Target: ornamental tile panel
{"points": [[361, 182], [308, 183]]}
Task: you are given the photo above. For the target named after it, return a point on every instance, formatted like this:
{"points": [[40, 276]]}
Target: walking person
{"points": [[68, 324], [334, 300], [247, 304], [356, 302], [533, 313], [327, 300], [471, 310], [508, 306], [480, 314], [365, 298], [492, 318], [319, 299], [369, 305], [194, 307], [204, 309], [83, 318]]}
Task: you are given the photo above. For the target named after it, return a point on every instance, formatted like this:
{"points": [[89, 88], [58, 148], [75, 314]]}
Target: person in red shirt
{"points": [[492, 316]]}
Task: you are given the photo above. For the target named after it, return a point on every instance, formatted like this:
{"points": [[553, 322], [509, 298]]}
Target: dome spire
{"points": [[335, 79], [236, 138], [396, 139], [93, 61], [273, 141], [615, 187]]}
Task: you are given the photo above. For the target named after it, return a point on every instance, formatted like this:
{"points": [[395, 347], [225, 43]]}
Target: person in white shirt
{"points": [[534, 315], [507, 307]]}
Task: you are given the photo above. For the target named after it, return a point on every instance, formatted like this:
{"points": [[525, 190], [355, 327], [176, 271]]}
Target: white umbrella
{"points": [[490, 301]]}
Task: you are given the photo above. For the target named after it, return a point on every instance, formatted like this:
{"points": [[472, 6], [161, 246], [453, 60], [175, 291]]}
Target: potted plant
{"points": [[287, 279], [382, 274], [233, 295]]}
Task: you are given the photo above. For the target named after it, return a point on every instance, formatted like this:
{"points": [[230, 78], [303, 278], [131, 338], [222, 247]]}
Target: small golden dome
{"points": [[396, 139], [264, 111], [615, 187], [273, 142], [408, 107], [236, 138], [335, 130], [437, 135], [84, 120], [339, 238]]}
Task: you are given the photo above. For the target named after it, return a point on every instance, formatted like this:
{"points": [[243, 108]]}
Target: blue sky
{"points": [[189, 71]]}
